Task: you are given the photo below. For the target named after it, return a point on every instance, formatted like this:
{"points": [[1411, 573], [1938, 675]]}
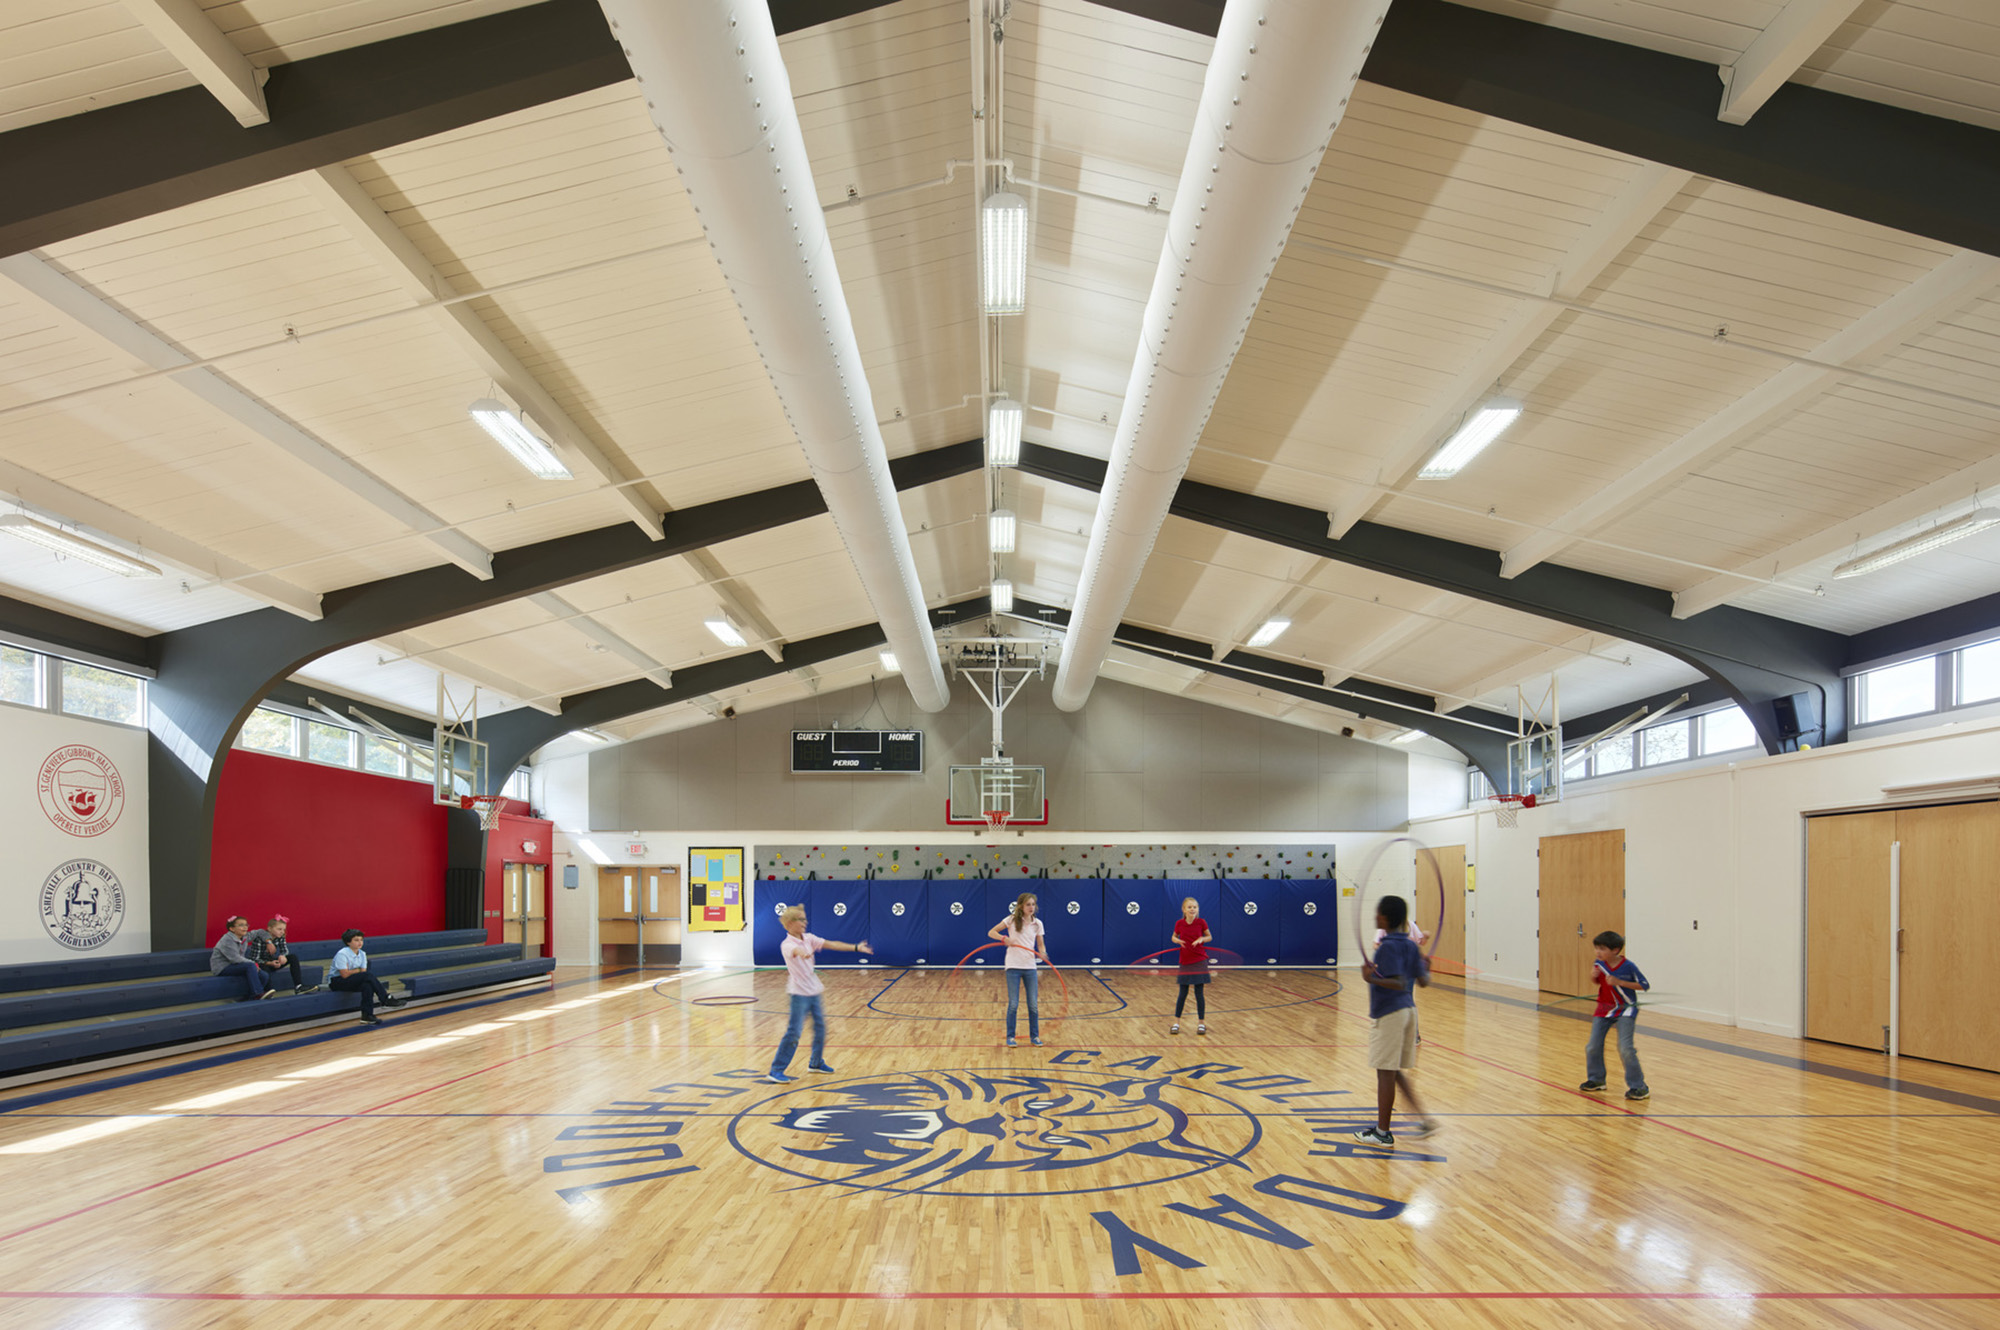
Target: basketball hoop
{"points": [[488, 806], [996, 819], [1507, 809]]}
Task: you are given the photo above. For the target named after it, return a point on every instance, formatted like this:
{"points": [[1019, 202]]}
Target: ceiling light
{"points": [[1269, 633], [726, 632], [1480, 428], [889, 661], [1923, 542], [1000, 531], [1003, 432], [1409, 737], [511, 432], [1003, 595], [74, 546], [593, 737], [1003, 254]]}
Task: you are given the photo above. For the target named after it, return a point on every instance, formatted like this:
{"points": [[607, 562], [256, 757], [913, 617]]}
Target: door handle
{"points": [[1579, 930]]}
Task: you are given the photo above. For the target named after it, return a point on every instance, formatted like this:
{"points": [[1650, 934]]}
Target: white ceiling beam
{"points": [[768, 640], [590, 628], [58, 502], [1650, 190], [450, 662], [1546, 661], [206, 52], [344, 197], [97, 316], [1921, 305], [1799, 29], [1365, 655], [1282, 603], [1841, 537]]}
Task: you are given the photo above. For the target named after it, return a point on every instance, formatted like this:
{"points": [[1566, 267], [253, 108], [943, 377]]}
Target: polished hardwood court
{"points": [[603, 1154]]}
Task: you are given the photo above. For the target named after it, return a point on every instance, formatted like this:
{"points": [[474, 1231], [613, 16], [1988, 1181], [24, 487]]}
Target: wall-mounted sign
{"points": [[854, 751], [715, 890], [636, 848]]}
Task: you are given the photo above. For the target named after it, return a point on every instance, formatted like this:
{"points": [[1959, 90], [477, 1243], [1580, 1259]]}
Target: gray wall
{"points": [[1131, 760]]}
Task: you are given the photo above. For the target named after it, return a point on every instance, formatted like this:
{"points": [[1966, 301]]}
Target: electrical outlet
{"points": [[1697, 925]]}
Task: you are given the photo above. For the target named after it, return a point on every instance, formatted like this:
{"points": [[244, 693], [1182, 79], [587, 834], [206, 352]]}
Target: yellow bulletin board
{"points": [[715, 890]]}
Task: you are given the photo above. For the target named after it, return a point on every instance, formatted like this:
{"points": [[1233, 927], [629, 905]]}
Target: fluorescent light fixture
{"points": [[593, 736], [1003, 595], [1480, 428], [72, 546], [1409, 737], [889, 661], [1000, 531], [1003, 432], [511, 432], [1272, 630], [1003, 254], [1909, 547], [726, 632]]}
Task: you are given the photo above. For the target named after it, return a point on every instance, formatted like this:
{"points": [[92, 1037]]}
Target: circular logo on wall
{"points": [[1131, 907], [840, 907], [1312, 907], [81, 790], [83, 903], [958, 907], [978, 1132], [1076, 907], [897, 909], [1249, 907]]}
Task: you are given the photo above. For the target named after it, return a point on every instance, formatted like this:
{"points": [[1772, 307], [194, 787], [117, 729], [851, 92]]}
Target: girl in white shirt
{"points": [[1023, 934]]}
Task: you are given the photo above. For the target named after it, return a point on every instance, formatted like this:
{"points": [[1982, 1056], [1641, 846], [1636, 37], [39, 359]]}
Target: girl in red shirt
{"points": [[1191, 933]]}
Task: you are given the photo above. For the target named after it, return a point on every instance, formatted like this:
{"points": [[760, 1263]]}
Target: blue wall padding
{"points": [[899, 922], [838, 911], [1309, 931]]}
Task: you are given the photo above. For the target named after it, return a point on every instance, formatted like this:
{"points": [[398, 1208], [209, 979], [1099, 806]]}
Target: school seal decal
{"points": [[995, 1133], [80, 790], [82, 904]]}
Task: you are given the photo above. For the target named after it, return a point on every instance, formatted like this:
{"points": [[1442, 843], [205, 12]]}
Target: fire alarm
{"points": [[529, 847]]}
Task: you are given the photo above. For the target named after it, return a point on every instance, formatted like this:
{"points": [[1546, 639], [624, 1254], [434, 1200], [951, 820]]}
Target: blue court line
{"points": [[885, 989], [304, 1041], [1874, 1080]]}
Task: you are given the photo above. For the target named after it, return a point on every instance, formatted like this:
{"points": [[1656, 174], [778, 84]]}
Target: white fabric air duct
{"points": [[716, 86], [1278, 82]]}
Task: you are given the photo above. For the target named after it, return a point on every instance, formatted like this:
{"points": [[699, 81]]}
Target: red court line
{"points": [[1452, 1295], [331, 1122]]}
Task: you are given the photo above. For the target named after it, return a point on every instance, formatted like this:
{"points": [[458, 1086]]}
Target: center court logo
{"points": [[82, 904], [995, 1133], [80, 790]]}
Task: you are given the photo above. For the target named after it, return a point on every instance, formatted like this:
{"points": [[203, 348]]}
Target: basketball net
{"points": [[488, 806], [996, 819], [1507, 812]]}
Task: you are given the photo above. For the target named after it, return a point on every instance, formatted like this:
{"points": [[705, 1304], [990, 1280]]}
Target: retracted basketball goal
{"points": [[998, 793]]}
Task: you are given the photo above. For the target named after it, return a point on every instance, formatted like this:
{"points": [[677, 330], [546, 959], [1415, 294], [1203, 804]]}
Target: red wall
{"points": [[331, 848], [507, 844]]}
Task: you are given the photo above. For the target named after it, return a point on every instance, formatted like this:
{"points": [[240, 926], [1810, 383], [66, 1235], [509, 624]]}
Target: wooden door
{"points": [[1847, 923], [1950, 918], [1446, 917], [639, 901], [1582, 894], [524, 904]]}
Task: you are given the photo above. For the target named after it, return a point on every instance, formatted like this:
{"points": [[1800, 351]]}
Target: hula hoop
{"points": [[723, 1000], [1368, 875]]}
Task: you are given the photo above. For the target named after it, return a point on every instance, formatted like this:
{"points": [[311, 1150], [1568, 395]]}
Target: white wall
{"points": [[43, 759], [1714, 869]]}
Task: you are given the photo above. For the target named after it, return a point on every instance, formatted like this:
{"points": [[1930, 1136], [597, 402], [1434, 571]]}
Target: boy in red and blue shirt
{"points": [[1619, 984]]}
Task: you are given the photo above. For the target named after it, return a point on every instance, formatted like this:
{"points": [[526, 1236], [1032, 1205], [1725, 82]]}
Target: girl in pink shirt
{"points": [[1022, 933]]}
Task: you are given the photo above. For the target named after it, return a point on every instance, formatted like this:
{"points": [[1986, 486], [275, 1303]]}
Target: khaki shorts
{"points": [[1392, 1043]]}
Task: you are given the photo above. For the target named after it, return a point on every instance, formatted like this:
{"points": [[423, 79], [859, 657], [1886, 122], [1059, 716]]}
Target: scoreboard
{"points": [[857, 750]]}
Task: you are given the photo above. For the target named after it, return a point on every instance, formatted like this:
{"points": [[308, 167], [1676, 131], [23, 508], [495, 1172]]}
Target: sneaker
{"points": [[396, 1002], [1427, 1128], [371, 1020], [1375, 1136], [819, 1067], [1638, 1096], [309, 988], [1592, 1087], [1202, 1028], [779, 1078], [1036, 1041], [1010, 1041], [268, 993], [1176, 1029]]}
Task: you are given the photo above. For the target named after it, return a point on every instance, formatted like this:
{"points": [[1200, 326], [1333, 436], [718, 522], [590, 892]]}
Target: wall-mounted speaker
{"points": [[1797, 715]]}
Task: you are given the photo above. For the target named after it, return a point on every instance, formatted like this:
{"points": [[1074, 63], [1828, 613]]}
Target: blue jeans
{"points": [[1032, 980], [816, 1005], [251, 976], [1593, 1052]]}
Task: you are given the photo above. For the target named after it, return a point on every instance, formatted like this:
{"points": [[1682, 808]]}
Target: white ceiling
{"points": [[1726, 393]]}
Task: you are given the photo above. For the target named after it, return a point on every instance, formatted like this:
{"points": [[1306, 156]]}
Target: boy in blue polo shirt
{"points": [[1393, 978], [1619, 984]]}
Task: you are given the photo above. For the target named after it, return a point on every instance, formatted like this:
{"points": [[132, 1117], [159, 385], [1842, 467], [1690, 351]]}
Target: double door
{"points": [[1582, 894], [1901, 907], [525, 908], [639, 915]]}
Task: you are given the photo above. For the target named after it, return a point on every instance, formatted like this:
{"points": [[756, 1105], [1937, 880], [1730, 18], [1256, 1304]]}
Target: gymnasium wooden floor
{"points": [[602, 1156]]}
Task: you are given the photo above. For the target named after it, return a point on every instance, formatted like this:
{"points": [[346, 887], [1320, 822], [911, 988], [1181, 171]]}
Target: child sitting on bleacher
{"points": [[348, 973], [229, 957], [270, 953]]}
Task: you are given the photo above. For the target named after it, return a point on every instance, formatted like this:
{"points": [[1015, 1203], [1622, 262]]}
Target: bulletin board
{"points": [[715, 890]]}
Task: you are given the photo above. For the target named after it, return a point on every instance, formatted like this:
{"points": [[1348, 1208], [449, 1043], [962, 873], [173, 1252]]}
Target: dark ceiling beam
{"points": [[38, 628], [82, 173], [1760, 659], [514, 736], [212, 676], [1923, 174], [1953, 623]]}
